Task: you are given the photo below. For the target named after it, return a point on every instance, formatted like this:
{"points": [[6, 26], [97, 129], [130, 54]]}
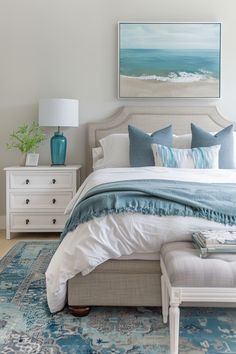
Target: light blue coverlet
{"points": [[215, 201]]}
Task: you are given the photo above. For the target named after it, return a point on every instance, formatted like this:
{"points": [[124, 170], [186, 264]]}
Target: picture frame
{"points": [[169, 60], [32, 159]]}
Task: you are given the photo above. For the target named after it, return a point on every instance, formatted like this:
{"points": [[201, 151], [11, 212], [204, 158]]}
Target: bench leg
{"points": [[174, 328], [164, 300]]}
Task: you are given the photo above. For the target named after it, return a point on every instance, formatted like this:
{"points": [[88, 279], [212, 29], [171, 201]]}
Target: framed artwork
{"points": [[32, 159], [169, 60]]}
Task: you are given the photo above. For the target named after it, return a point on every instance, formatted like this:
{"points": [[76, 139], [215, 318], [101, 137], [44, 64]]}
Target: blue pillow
{"points": [[225, 138], [140, 149]]}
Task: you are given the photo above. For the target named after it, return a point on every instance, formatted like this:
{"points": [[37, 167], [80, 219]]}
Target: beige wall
{"points": [[68, 48]]}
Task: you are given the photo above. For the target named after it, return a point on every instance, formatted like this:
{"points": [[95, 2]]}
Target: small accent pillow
{"points": [[225, 138], [203, 157], [97, 155], [115, 149], [140, 150]]}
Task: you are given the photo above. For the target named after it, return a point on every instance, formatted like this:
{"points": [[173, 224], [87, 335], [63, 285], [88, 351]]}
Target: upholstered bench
{"points": [[188, 278]]}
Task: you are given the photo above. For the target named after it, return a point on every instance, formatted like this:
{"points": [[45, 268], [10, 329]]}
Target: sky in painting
{"points": [[170, 36]]}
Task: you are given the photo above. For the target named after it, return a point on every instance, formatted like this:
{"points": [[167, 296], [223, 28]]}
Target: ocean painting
{"points": [[178, 60]]}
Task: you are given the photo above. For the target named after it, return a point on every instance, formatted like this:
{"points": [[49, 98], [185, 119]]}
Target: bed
{"points": [[133, 280]]}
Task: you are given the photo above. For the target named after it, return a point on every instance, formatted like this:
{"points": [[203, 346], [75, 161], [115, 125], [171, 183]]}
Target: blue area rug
{"points": [[26, 326]]}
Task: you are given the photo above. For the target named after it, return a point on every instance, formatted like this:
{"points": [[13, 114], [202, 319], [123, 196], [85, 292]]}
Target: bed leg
{"points": [[79, 311]]}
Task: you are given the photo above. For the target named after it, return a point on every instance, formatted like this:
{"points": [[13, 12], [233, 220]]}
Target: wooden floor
{"points": [[6, 245]]}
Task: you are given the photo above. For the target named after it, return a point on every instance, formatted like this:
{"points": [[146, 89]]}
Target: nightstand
{"points": [[36, 197]]}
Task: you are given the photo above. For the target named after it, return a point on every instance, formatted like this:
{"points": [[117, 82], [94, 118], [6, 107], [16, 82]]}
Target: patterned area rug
{"points": [[26, 326]]}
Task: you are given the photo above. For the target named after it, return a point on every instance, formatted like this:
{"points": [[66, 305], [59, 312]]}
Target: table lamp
{"points": [[58, 112]]}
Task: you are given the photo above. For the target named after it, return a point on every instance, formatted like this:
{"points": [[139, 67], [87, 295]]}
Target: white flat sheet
{"points": [[117, 235]]}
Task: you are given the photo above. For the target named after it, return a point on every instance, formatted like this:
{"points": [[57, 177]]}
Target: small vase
{"points": [[58, 148]]}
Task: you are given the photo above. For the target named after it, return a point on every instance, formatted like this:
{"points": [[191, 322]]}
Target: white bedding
{"points": [[113, 236]]}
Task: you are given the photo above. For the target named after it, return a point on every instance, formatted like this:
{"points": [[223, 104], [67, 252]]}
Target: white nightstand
{"points": [[36, 197]]}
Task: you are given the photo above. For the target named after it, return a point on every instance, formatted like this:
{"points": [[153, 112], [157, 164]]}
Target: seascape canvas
{"points": [[178, 60]]}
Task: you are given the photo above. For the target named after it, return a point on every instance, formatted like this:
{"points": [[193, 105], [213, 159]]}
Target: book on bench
{"points": [[216, 238], [210, 241]]}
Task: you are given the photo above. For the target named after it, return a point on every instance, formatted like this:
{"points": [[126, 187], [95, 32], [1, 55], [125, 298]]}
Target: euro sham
{"points": [[225, 138], [140, 150]]}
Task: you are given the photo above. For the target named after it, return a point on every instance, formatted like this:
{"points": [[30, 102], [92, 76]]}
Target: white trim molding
{"points": [[2, 222]]}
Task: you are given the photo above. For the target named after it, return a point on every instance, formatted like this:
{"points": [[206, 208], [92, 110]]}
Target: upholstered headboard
{"points": [[153, 118]]}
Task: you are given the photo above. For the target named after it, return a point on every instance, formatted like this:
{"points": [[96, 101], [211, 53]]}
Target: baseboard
{"points": [[2, 222]]}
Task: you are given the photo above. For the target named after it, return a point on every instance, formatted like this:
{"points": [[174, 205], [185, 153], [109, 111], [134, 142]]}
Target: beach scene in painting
{"points": [[169, 60]]}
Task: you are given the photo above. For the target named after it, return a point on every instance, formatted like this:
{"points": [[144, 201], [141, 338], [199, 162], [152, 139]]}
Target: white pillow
{"points": [[97, 154], [182, 141], [115, 149], [202, 157]]}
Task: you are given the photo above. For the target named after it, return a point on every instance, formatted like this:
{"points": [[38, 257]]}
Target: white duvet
{"points": [[113, 236]]}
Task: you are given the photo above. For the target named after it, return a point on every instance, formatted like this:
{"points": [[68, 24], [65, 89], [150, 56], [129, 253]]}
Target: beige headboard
{"points": [[153, 118]]}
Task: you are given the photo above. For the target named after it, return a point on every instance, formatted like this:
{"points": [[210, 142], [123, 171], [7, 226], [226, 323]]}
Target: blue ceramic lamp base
{"points": [[58, 148]]}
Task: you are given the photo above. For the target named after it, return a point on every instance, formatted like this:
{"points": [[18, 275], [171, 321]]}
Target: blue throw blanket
{"points": [[215, 201]]}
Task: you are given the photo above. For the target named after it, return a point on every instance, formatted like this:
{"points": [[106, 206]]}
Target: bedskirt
{"points": [[118, 283]]}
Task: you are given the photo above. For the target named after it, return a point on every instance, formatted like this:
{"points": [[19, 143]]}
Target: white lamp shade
{"points": [[58, 112]]}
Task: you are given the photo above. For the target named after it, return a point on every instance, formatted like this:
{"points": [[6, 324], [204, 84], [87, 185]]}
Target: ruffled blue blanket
{"points": [[215, 201]]}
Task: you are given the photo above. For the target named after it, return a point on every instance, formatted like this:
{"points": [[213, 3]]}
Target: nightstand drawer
{"points": [[36, 200], [41, 179], [37, 222]]}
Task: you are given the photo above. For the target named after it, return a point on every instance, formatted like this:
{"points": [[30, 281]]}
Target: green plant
{"points": [[27, 138]]}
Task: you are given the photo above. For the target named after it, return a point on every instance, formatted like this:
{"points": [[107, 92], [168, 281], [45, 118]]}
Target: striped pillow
{"points": [[202, 157]]}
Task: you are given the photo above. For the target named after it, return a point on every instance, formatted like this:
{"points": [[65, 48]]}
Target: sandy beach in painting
{"points": [[136, 87]]}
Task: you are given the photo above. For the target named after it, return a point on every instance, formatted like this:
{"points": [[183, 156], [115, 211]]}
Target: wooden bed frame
{"points": [[133, 282]]}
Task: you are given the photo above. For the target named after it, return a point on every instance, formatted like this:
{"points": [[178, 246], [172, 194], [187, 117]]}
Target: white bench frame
{"points": [[172, 297]]}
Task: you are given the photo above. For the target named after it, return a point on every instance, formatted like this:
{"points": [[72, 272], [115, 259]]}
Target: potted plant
{"points": [[27, 139]]}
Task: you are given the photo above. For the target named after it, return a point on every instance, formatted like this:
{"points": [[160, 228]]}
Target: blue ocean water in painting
{"points": [[180, 65]]}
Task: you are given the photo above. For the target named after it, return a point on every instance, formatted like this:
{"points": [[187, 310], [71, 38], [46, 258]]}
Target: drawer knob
{"points": [[54, 201], [27, 201], [53, 181], [27, 221], [27, 181], [54, 221]]}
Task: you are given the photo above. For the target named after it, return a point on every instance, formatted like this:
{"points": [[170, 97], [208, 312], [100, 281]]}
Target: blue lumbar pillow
{"points": [[225, 138], [140, 150]]}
